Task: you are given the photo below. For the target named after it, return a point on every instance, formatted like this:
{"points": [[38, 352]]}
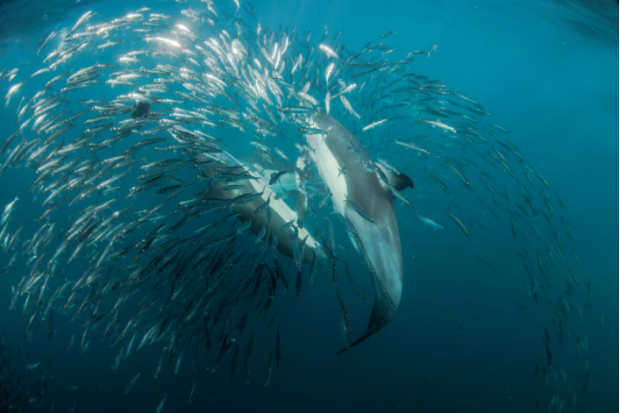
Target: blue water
{"points": [[467, 336]]}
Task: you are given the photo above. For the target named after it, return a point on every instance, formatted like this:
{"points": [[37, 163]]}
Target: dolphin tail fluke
{"points": [[358, 341], [381, 315]]}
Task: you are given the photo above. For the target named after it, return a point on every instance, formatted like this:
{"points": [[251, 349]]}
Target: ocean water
{"points": [[470, 333]]}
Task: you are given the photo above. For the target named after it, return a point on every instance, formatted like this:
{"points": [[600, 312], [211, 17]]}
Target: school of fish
{"points": [[181, 206]]}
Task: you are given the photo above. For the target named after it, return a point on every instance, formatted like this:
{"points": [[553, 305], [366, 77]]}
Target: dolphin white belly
{"points": [[329, 169]]}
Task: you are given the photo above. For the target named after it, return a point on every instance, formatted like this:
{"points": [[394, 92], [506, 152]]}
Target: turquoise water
{"points": [[467, 336]]}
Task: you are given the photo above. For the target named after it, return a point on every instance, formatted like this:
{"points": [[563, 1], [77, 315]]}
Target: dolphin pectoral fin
{"points": [[396, 180], [401, 181]]}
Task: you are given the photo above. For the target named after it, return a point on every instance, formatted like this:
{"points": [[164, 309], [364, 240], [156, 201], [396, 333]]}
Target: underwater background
{"points": [[467, 336]]}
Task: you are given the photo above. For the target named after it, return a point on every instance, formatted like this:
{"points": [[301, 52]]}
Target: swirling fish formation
{"points": [[179, 162]]}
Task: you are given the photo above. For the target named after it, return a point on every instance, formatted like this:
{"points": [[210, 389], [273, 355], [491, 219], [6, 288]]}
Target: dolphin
{"points": [[279, 211], [367, 202]]}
